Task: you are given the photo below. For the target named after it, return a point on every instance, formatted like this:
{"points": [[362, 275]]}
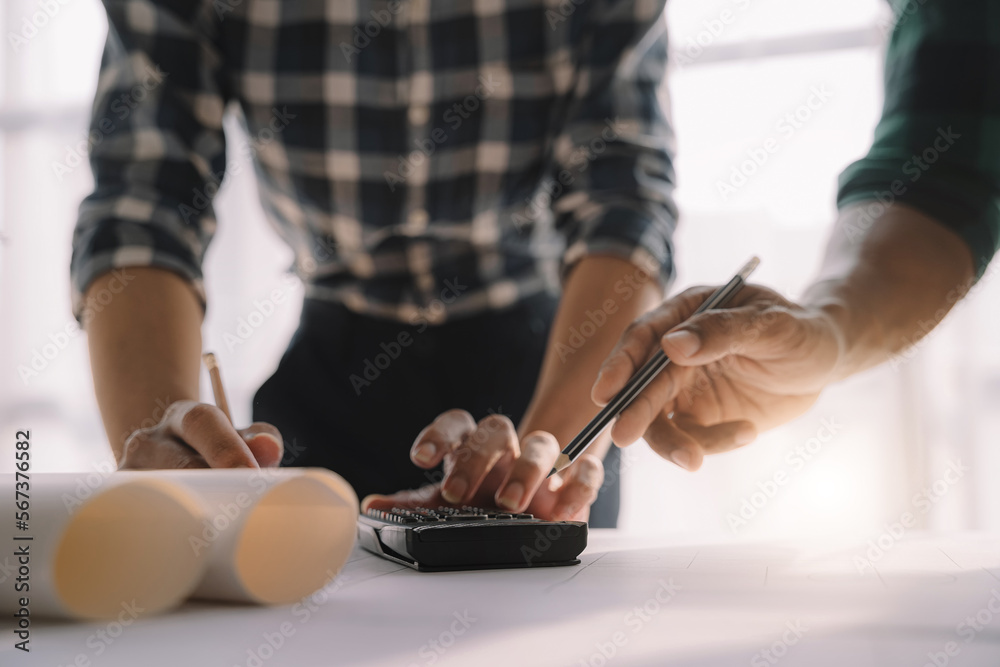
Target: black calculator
{"points": [[470, 538]]}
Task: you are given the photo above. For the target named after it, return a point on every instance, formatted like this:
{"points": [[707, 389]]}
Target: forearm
{"points": [[601, 297], [885, 283], [145, 347]]}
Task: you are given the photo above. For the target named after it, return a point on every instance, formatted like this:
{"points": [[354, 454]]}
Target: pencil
{"points": [[643, 377], [220, 394]]}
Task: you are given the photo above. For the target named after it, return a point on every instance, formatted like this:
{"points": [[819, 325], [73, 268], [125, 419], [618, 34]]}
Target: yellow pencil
{"points": [[220, 394]]}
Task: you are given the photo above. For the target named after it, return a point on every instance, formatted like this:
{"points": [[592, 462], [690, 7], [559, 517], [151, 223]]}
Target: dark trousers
{"points": [[352, 392]]}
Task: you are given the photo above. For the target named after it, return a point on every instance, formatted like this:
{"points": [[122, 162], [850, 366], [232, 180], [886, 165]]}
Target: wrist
{"points": [[539, 417], [844, 321]]}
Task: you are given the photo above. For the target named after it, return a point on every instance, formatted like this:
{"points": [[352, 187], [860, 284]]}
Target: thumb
{"points": [[265, 444], [715, 334]]}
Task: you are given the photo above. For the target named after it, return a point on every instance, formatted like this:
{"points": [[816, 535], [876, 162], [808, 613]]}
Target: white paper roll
{"points": [[272, 536], [100, 546], [103, 545]]}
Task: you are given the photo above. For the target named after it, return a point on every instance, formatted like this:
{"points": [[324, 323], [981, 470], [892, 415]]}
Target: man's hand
{"points": [[197, 435], [734, 372], [485, 465]]}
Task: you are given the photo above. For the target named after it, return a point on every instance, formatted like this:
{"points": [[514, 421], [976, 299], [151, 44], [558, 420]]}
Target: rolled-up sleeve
{"points": [[614, 158], [937, 144], [157, 148]]}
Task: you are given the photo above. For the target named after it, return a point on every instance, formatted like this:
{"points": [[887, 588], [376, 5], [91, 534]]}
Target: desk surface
{"points": [[663, 601]]}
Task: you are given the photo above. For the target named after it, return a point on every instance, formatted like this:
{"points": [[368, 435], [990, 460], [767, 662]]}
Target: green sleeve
{"points": [[937, 144]]}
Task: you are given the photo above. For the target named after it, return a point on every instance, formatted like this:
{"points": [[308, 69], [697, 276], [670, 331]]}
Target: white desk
{"points": [[732, 601]]}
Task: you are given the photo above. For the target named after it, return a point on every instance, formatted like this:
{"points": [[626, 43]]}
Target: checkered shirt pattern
{"points": [[402, 148]]}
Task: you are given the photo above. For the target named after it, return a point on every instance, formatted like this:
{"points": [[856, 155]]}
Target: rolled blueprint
{"points": [[140, 542], [90, 545], [272, 536]]}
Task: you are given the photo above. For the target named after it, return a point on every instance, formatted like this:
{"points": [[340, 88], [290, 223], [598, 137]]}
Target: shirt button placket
{"points": [[418, 115]]}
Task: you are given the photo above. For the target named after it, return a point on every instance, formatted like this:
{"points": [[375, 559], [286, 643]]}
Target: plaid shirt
{"points": [[403, 148], [937, 145]]}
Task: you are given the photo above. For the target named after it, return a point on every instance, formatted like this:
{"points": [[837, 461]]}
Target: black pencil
{"points": [[644, 376]]}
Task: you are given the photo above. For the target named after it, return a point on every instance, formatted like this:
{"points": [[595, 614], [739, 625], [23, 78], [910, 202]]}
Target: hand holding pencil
{"points": [[198, 435], [729, 374], [645, 375]]}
